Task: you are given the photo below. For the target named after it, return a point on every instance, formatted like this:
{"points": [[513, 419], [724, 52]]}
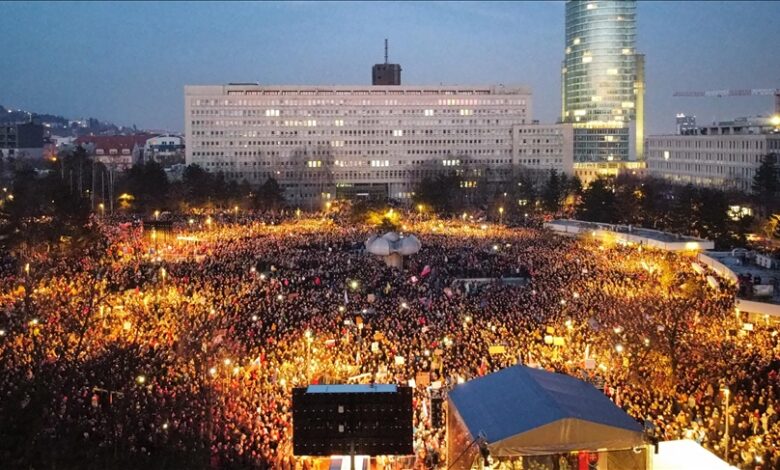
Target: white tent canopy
{"points": [[685, 454]]}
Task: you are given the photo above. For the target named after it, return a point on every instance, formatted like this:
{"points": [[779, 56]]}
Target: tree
{"points": [[442, 193], [196, 183], [148, 183], [270, 195], [598, 202], [552, 192], [766, 184]]}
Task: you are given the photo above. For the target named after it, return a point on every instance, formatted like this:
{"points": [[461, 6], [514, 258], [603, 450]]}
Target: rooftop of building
{"points": [[379, 90], [742, 263], [115, 141], [754, 125], [665, 237]]}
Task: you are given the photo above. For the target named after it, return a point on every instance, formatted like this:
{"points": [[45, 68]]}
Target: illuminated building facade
{"points": [[329, 141], [603, 81], [723, 155]]}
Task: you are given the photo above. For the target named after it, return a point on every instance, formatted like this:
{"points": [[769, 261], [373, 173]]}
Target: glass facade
{"points": [[603, 80]]}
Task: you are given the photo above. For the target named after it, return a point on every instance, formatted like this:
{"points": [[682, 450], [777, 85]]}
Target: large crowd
{"points": [[180, 346]]}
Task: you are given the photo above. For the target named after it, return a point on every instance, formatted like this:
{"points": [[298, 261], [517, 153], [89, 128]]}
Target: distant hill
{"points": [[60, 125]]}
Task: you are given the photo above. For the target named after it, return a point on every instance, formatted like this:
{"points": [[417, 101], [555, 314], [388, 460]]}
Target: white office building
{"points": [[328, 141], [545, 147], [724, 155]]}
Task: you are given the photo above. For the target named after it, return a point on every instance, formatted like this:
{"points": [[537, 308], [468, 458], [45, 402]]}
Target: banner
{"points": [[423, 379], [498, 349]]}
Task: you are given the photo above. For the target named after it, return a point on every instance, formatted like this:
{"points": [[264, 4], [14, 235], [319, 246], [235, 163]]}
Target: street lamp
{"points": [[157, 215], [501, 214], [102, 208], [726, 394]]}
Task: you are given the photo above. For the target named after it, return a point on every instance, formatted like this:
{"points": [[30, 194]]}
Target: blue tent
{"points": [[520, 411]]}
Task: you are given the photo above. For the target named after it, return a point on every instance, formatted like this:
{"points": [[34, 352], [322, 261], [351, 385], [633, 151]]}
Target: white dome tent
{"points": [[393, 247]]}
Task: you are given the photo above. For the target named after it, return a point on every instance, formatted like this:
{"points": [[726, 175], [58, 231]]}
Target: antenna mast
{"points": [[385, 50]]}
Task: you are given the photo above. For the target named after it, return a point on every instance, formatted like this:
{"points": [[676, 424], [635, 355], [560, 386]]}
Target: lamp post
{"points": [[307, 334], [726, 393], [501, 214], [102, 208]]}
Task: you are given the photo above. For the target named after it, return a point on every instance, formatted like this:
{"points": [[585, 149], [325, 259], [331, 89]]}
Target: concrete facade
{"points": [[725, 156], [318, 141], [545, 147]]}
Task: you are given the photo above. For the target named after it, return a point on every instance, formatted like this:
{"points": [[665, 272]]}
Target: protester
{"points": [[189, 341]]}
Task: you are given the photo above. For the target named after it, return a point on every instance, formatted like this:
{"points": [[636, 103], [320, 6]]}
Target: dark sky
{"points": [[129, 62]]}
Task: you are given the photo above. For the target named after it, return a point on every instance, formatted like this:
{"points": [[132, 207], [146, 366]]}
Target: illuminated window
{"points": [[612, 71], [466, 112], [626, 51], [591, 6], [609, 138], [627, 104], [568, 50], [398, 133], [587, 59], [272, 112], [579, 112], [338, 123], [576, 41], [595, 98], [314, 163], [666, 155], [428, 112]]}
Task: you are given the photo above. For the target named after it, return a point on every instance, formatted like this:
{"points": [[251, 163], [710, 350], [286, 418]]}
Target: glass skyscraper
{"points": [[603, 81]]}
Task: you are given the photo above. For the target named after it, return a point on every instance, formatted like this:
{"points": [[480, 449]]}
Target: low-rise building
{"points": [[117, 151], [165, 149], [23, 140], [724, 155]]}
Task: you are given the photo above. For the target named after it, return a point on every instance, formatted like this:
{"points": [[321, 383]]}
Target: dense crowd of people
{"points": [[157, 348]]}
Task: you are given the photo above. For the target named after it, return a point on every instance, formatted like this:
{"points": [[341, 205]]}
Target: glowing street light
{"points": [[354, 285], [726, 394], [140, 379], [157, 215], [619, 348], [102, 208], [227, 361], [213, 371]]}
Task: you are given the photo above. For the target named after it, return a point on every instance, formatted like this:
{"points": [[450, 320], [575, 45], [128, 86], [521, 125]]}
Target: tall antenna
{"points": [[385, 50]]}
